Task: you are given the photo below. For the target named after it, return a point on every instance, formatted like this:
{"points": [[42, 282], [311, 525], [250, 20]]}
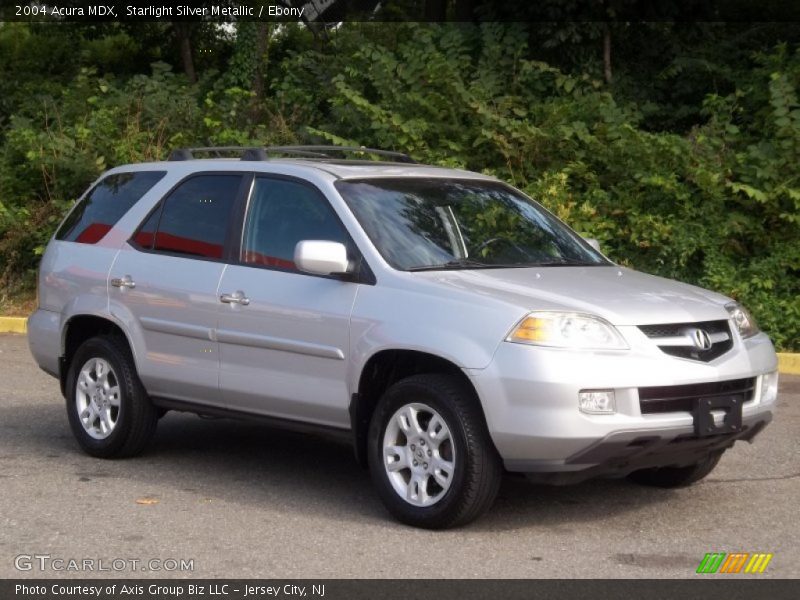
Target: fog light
{"points": [[597, 402], [769, 387]]}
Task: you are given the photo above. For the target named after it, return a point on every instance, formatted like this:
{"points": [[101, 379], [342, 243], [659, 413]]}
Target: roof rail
{"points": [[255, 153], [214, 151], [323, 151]]}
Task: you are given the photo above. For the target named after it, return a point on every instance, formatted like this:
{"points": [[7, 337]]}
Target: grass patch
{"points": [[17, 302]]}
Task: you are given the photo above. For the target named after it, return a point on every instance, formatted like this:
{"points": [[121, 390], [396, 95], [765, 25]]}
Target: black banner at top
{"points": [[334, 11]]}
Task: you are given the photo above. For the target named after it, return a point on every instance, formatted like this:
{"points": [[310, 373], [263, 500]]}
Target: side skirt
{"points": [[331, 433]]}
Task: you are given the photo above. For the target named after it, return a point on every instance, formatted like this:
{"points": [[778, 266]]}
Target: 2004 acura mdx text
{"points": [[448, 325]]}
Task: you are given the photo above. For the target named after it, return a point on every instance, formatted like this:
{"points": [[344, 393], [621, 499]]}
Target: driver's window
{"points": [[280, 214]]}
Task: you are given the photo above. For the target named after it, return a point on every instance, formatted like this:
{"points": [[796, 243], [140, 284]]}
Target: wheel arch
{"points": [[76, 330], [383, 369]]}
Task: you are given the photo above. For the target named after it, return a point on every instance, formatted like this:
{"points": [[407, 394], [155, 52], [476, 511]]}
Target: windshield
{"points": [[426, 224]]}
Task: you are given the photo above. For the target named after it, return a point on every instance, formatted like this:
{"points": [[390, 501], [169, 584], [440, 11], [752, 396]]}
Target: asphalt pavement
{"points": [[237, 499]]}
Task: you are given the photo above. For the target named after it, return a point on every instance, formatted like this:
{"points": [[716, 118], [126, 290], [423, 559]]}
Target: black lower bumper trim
{"points": [[620, 454]]}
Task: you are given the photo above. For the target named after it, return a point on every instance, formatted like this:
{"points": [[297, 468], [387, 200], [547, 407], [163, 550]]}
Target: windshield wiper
{"points": [[459, 263], [563, 262], [467, 263]]}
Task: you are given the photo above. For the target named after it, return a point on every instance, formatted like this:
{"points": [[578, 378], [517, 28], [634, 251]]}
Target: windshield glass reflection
{"points": [[426, 224]]}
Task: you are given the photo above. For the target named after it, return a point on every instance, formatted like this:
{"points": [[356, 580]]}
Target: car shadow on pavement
{"points": [[256, 465]]}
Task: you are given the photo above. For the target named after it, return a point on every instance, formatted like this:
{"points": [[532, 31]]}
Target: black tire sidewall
{"points": [[102, 348], [402, 393]]}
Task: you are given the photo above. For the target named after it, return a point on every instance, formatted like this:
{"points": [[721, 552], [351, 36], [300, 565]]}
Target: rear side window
{"points": [[105, 204], [194, 219]]}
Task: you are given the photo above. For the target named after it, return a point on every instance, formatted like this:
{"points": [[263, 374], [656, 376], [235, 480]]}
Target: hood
{"points": [[621, 296]]}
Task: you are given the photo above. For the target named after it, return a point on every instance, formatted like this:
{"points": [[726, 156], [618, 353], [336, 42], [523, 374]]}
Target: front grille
{"points": [[683, 398], [667, 333], [692, 353], [673, 329]]}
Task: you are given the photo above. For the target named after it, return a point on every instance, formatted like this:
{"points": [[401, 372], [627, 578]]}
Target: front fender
{"points": [[465, 333]]}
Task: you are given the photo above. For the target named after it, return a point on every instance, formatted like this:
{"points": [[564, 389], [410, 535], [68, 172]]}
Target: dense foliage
{"points": [[684, 165]]}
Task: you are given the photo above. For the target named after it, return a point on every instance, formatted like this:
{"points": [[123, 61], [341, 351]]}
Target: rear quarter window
{"points": [[105, 204]]}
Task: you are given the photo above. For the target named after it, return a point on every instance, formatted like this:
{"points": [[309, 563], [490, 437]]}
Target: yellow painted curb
{"points": [[13, 324], [789, 363]]}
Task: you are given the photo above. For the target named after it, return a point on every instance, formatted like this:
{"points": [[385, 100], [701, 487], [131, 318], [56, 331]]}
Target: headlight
{"points": [[567, 330], [743, 320]]}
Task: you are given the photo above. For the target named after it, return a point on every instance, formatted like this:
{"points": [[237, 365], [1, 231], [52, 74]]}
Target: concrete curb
{"points": [[788, 362], [13, 324]]}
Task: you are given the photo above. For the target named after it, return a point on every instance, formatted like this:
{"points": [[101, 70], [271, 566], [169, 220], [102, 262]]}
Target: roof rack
{"points": [[323, 151], [214, 151], [255, 153]]}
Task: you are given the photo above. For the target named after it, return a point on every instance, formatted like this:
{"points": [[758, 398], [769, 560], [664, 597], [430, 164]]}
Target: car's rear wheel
{"points": [[430, 454], [109, 411], [673, 477]]}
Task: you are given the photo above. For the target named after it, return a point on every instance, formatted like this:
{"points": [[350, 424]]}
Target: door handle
{"points": [[124, 282], [236, 297]]}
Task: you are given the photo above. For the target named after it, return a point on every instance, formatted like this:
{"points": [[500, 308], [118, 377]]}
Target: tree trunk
{"points": [[259, 85], [183, 34], [607, 53], [261, 59]]}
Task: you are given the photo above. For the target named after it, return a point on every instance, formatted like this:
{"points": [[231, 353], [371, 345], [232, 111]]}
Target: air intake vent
{"points": [[677, 398]]}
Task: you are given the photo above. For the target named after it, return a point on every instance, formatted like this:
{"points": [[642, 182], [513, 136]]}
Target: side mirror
{"points": [[593, 243], [320, 257]]}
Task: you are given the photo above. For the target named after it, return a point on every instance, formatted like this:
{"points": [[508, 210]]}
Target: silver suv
{"points": [[444, 323]]}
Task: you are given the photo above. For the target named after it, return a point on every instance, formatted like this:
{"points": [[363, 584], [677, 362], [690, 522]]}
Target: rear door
{"points": [[164, 282], [284, 339]]}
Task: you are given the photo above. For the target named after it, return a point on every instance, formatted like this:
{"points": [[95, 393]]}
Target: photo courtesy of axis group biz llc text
{"points": [[177, 589], [348, 299]]}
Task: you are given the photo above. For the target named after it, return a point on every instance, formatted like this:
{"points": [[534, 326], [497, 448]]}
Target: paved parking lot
{"points": [[243, 500]]}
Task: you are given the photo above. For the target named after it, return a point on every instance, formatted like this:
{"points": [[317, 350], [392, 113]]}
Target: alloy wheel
{"points": [[97, 398], [419, 454]]}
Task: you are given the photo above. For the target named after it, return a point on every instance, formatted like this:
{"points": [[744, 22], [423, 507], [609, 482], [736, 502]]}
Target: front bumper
{"points": [[530, 398]]}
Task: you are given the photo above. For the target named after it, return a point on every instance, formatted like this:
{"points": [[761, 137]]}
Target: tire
{"points": [[676, 477], [452, 435], [130, 418]]}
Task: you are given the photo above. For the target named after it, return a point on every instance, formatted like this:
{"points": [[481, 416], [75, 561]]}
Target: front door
{"points": [[283, 334]]}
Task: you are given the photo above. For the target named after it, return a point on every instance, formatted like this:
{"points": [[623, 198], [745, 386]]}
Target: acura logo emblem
{"points": [[700, 339]]}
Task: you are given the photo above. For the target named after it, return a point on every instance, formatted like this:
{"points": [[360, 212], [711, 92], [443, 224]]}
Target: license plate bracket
{"points": [[704, 423]]}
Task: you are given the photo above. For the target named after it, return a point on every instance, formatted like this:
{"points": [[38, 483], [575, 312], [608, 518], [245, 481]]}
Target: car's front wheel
{"points": [[673, 477], [109, 411], [430, 454]]}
